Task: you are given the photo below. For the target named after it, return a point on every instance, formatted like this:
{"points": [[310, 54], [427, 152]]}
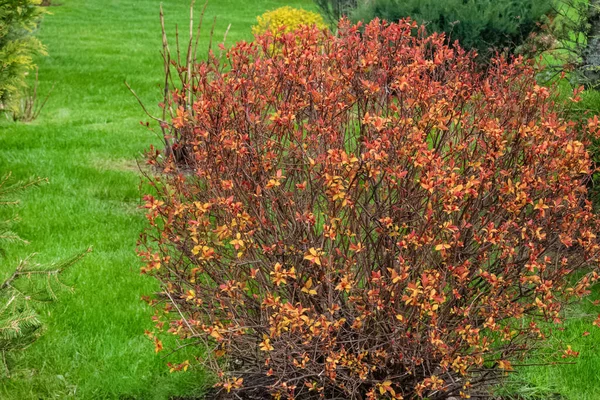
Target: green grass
{"points": [[570, 378], [86, 143]]}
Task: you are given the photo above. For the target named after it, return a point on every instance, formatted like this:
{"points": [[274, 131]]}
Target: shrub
{"points": [[286, 19], [29, 106], [366, 216], [486, 26], [18, 19], [334, 10]]}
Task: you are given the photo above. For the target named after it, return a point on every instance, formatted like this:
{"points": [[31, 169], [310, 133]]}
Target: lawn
{"points": [[87, 143]]}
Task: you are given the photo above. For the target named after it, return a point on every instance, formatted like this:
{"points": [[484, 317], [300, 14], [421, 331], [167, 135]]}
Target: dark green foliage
{"points": [[18, 20], [486, 26], [333, 10]]}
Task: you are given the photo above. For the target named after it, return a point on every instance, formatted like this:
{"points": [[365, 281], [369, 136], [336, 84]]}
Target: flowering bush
{"points": [[286, 19], [366, 216]]}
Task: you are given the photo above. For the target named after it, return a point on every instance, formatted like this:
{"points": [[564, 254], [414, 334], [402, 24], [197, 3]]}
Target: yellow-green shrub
{"points": [[287, 17], [18, 21]]}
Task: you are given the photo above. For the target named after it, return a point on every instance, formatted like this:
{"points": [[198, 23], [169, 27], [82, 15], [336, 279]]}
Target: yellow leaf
{"points": [[308, 287], [265, 345], [313, 256], [158, 346], [442, 246], [505, 365], [191, 294]]}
